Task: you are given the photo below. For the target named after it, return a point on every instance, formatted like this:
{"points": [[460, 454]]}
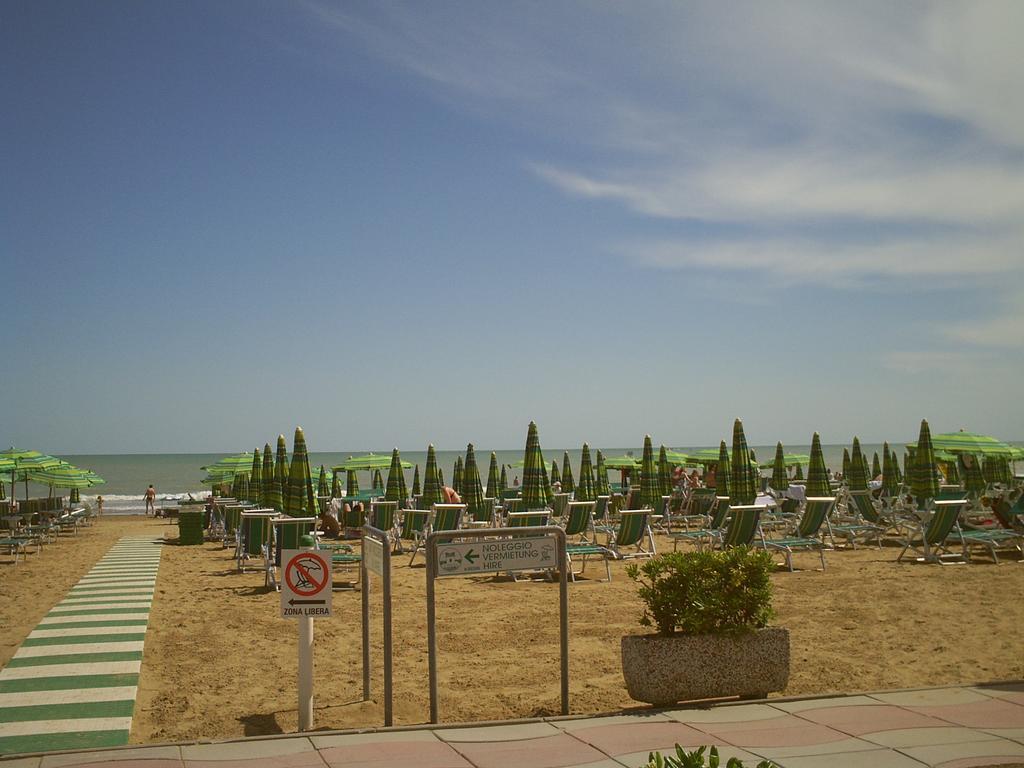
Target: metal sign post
{"points": [[305, 592], [377, 559], [499, 549]]}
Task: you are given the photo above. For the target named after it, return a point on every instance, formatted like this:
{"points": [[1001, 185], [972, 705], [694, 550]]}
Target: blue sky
{"points": [[405, 223]]}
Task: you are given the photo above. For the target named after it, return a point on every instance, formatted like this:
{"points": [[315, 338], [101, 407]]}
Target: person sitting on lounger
{"points": [[450, 496]]}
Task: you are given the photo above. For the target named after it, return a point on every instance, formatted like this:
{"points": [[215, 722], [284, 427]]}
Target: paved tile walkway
{"points": [[955, 727], [72, 683]]}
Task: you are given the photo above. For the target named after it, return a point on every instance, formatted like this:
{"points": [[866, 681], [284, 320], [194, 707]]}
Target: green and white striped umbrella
{"points": [[846, 463], [492, 477], [535, 494], [876, 466], [585, 490], [705, 456], [568, 481], [996, 469], [65, 476], [924, 475], [780, 479], [457, 475], [969, 442], [378, 480], [622, 462], [555, 475], [817, 474], [396, 490], [799, 474], [723, 472], [255, 475], [856, 477], [299, 500], [472, 490], [336, 485], [650, 493], [225, 470], [240, 486], [890, 482], [896, 467], [416, 489], [351, 483], [281, 468], [323, 487], [742, 486], [974, 480], [549, 492], [601, 484], [664, 472], [432, 482], [366, 463], [272, 497], [503, 480]]}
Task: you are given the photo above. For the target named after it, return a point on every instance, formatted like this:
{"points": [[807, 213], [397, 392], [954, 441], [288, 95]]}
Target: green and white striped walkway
{"points": [[72, 683]]}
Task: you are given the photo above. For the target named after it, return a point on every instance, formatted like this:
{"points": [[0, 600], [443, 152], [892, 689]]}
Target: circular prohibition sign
{"points": [[307, 574]]}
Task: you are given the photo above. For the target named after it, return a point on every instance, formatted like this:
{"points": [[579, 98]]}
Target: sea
{"points": [[177, 476]]}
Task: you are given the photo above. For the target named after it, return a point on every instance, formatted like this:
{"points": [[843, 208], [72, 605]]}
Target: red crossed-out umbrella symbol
{"points": [[306, 574]]}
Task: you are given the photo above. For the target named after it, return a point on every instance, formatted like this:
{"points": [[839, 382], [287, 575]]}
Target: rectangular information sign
{"points": [[306, 583], [373, 555], [490, 555]]}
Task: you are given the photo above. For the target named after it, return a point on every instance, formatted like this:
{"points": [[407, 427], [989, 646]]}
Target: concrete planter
{"points": [[663, 670]]}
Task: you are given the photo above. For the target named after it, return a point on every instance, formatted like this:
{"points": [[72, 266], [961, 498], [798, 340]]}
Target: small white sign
{"points": [[373, 555], [306, 584], [490, 555]]}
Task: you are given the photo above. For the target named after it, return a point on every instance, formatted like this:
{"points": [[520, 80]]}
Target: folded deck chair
{"points": [[930, 538], [807, 535], [713, 532], [866, 521]]}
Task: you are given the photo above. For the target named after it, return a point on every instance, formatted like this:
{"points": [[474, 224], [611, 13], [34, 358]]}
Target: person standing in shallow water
{"points": [[151, 499]]}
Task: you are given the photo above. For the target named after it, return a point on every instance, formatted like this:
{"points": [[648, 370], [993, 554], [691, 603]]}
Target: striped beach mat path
{"points": [[73, 681]]}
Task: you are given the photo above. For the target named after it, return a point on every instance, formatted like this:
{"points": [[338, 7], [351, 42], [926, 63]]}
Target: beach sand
{"points": [[220, 663]]}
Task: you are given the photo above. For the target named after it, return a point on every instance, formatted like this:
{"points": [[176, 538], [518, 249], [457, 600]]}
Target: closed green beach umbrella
{"points": [[817, 474], [890, 483], [271, 497], [281, 465], [396, 489], [457, 475], [602, 486], [664, 472], [799, 474], [723, 472], [856, 478], [323, 488], [503, 480], [846, 463], [440, 478], [568, 481], [298, 493], [650, 492], [378, 480], [742, 486], [472, 490], [876, 466], [336, 485], [492, 477], [432, 482], [255, 487], [556, 475], [780, 479], [897, 473], [416, 488], [585, 489], [535, 495], [953, 472], [924, 475], [351, 482]]}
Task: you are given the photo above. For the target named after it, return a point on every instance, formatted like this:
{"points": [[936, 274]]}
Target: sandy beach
{"points": [[220, 663]]}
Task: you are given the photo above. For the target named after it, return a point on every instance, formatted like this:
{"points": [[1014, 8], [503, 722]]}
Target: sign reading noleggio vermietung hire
{"points": [[490, 555]]}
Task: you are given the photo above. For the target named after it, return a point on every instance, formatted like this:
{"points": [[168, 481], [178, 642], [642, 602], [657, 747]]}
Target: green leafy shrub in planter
{"points": [[702, 593], [695, 759]]}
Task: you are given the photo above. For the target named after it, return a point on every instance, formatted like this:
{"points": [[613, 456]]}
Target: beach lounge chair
{"points": [[480, 515], [1008, 535], [579, 520], [864, 520], [558, 504], [412, 528], [743, 527], [600, 516], [442, 517], [579, 523], [807, 535], [634, 526], [713, 532], [696, 512], [929, 537], [382, 516]]}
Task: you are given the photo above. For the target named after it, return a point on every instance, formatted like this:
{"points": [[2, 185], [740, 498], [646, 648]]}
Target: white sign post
{"points": [[306, 582]]}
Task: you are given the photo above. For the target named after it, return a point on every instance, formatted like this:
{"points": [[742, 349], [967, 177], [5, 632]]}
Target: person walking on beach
{"points": [[151, 499]]}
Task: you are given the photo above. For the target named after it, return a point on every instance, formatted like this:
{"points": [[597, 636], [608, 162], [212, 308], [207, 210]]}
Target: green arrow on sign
{"points": [[471, 556]]}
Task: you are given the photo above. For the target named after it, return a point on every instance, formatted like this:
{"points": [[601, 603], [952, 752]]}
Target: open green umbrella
{"points": [[876, 466], [780, 479], [255, 475], [969, 442], [493, 490], [742, 486], [351, 483], [556, 475], [622, 462], [924, 475], [271, 489], [535, 495], [856, 477], [664, 472], [396, 490], [585, 490], [226, 469], [365, 463], [568, 481], [890, 483], [378, 480], [18, 462], [472, 490], [281, 467], [650, 493], [323, 488], [817, 474], [432, 481], [416, 489], [601, 484], [503, 480], [457, 475], [705, 456]]}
